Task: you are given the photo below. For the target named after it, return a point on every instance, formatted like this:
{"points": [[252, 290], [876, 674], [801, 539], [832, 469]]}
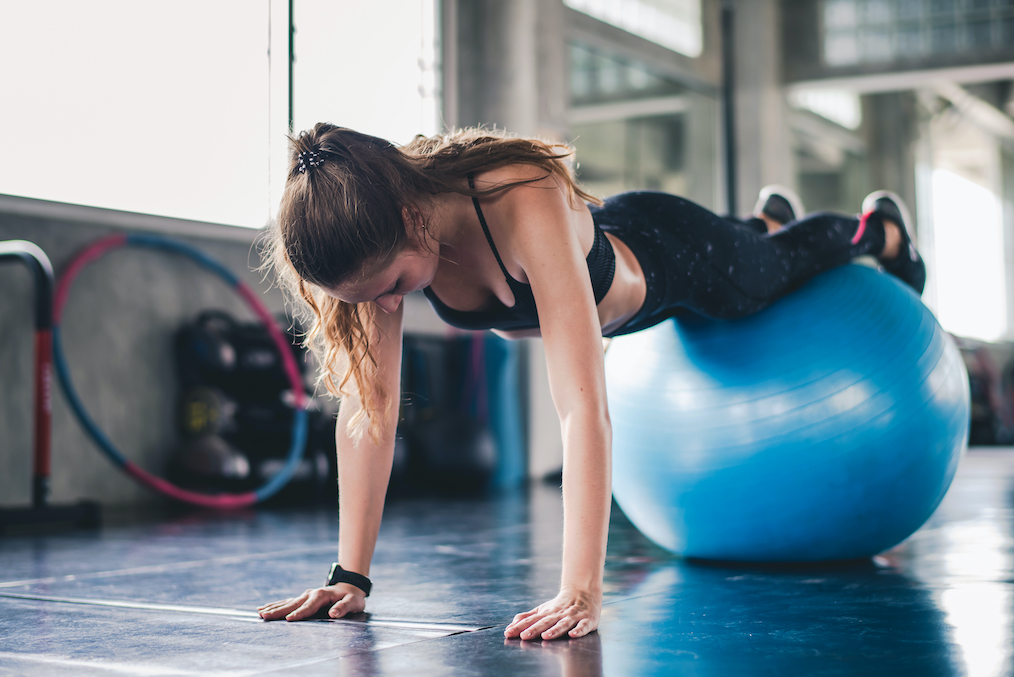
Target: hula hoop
{"points": [[98, 249]]}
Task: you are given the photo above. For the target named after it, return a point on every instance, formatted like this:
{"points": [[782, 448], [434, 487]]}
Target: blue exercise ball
{"points": [[828, 426]]}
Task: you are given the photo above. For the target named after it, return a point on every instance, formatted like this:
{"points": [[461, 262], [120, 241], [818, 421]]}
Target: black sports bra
{"points": [[523, 314]]}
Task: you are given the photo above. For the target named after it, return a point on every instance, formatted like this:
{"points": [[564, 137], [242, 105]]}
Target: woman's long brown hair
{"points": [[340, 218]]}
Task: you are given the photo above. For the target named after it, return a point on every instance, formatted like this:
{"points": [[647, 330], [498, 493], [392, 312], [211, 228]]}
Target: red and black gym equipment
{"points": [[40, 513]]}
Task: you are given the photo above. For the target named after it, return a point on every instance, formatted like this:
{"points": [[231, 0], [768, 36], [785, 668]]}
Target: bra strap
{"points": [[485, 229]]}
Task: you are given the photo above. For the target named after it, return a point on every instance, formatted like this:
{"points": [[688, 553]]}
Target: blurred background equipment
{"points": [[991, 379], [215, 354], [462, 426], [235, 412]]}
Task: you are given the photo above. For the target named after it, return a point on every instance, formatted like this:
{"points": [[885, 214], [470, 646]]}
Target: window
{"points": [[675, 24], [370, 66], [635, 128], [598, 77], [968, 257], [181, 109], [878, 31], [840, 106], [159, 108]]}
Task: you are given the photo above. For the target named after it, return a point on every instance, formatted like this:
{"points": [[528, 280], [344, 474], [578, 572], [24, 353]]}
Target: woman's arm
{"points": [[543, 240], [364, 470]]}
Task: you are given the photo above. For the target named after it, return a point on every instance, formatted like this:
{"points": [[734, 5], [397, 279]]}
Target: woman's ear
{"points": [[412, 218], [415, 223]]}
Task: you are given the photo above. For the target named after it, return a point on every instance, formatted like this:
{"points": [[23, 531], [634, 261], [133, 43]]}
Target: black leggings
{"points": [[694, 260]]}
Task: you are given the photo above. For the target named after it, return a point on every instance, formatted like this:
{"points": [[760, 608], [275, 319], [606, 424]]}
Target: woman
{"points": [[494, 230]]}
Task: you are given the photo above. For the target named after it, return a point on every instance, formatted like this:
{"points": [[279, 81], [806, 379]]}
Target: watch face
{"points": [[335, 569]]}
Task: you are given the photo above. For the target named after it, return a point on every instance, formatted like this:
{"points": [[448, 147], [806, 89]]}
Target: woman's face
{"points": [[411, 270]]}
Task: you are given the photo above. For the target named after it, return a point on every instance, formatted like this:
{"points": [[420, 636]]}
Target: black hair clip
{"points": [[311, 158]]}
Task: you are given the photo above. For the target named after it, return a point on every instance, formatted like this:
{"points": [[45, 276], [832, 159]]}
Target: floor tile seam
{"points": [[644, 596], [143, 606], [393, 623]]}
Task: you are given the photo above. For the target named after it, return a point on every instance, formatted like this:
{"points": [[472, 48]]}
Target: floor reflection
{"points": [[731, 620], [966, 557], [581, 657]]}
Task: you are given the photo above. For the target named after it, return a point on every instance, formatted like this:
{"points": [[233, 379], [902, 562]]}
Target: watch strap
{"points": [[339, 575]]}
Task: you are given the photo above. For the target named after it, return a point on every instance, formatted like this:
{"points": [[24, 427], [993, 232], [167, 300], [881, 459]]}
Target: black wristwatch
{"points": [[339, 575]]}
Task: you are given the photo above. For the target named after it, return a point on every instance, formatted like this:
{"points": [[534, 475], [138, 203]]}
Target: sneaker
{"points": [[907, 265], [779, 203]]}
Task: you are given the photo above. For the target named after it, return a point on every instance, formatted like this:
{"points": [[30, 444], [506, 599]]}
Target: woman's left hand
{"points": [[573, 613]]}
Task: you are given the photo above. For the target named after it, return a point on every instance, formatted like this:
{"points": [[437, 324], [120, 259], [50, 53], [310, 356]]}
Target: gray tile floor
{"points": [[175, 596]]}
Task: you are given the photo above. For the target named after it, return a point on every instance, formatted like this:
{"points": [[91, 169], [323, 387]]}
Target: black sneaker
{"points": [[907, 266], [780, 203]]}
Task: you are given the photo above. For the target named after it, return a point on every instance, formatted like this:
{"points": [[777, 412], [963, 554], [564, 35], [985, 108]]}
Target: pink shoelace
{"points": [[862, 227]]}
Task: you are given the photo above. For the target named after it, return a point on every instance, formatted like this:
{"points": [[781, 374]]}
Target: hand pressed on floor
{"points": [[570, 613], [343, 599]]}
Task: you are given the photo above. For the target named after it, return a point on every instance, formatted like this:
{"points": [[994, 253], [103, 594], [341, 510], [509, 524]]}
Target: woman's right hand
{"points": [[342, 598]]}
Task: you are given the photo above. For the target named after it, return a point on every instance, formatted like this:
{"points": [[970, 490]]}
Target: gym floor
{"points": [[176, 596]]}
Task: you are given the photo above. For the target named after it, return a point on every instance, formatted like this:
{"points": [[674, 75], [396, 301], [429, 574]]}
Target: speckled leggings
{"points": [[694, 260]]}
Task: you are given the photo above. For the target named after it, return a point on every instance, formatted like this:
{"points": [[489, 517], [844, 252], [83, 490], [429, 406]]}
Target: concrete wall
{"points": [[891, 130], [511, 65], [117, 336], [763, 140]]}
